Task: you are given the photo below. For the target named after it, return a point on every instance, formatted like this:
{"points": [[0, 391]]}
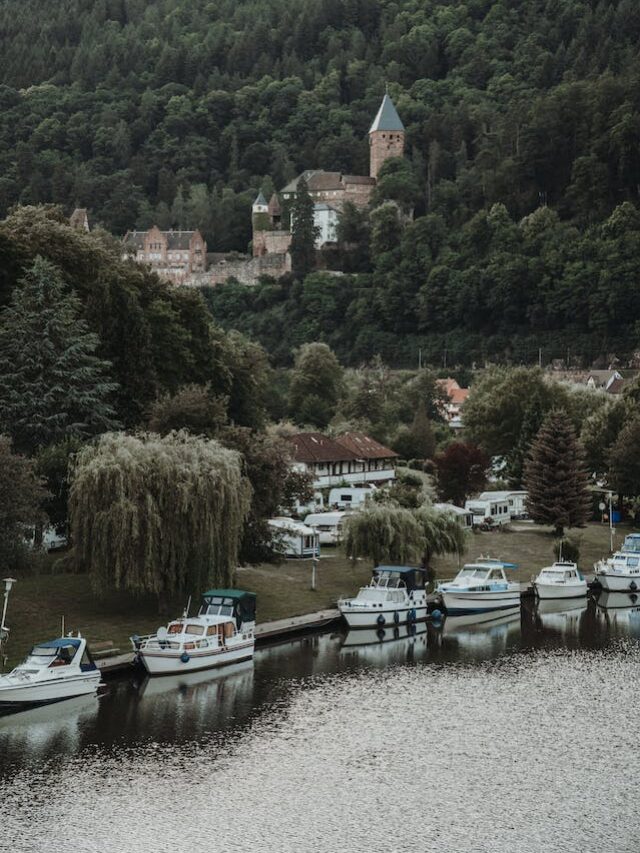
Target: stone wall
{"points": [[245, 270], [271, 242]]}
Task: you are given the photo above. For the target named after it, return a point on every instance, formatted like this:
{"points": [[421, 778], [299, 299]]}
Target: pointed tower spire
{"points": [[386, 136]]}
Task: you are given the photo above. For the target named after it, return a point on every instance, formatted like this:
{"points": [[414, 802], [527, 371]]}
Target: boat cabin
{"points": [[484, 571], [236, 603], [399, 577], [560, 573], [61, 652], [632, 543]]}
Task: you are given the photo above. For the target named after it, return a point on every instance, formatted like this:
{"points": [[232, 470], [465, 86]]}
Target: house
{"points": [[603, 379], [455, 399], [352, 459], [174, 255], [516, 500]]}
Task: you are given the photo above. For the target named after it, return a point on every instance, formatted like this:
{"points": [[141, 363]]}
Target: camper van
{"points": [[489, 511], [464, 516], [350, 496], [328, 525], [297, 540]]}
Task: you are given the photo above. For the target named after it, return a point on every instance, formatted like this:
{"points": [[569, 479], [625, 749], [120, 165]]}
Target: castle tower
{"points": [[260, 213], [386, 136]]}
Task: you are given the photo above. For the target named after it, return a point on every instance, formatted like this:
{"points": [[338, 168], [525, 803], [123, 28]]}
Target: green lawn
{"points": [[38, 601]]}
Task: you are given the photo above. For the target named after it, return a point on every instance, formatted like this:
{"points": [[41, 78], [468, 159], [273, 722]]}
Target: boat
{"points": [[223, 632], [395, 595], [560, 580], [52, 672], [480, 587], [620, 572]]}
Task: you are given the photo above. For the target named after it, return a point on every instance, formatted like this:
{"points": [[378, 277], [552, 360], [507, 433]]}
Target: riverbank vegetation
{"points": [[39, 600]]}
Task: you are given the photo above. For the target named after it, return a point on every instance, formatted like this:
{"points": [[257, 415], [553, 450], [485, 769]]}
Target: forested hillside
{"points": [[126, 106], [178, 111]]}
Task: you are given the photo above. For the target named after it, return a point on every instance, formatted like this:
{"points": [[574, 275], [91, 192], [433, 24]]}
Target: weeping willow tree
{"points": [[393, 534], [385, 534], [159, 515], [442, 533]]}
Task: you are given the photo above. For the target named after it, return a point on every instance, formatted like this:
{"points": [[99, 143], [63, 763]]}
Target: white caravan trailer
{"points": [[516, 500], [297, 539], [464, 516], [350, 496], [489, 511], [328, 525]]}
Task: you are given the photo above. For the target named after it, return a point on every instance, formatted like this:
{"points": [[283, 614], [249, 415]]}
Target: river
{"points": [[515, 735]]}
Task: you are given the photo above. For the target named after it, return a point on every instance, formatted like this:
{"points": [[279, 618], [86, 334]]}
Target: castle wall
{"points": [[244, 270], [271, 242]]}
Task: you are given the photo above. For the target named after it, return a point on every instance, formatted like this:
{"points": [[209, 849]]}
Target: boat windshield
{"points": [[42, 653], [473, 572]]}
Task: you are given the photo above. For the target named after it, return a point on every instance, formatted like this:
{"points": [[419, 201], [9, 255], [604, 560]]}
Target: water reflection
{"points": [[620, 611], [561, 615], [36, 734], [481, 634], [403, 644]]}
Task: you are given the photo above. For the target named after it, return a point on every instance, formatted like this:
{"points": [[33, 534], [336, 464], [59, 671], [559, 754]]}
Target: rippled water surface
{"points": [[513, 735]]}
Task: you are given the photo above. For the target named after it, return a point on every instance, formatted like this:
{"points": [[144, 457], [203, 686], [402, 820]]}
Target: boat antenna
{"points": [[185, 613]]}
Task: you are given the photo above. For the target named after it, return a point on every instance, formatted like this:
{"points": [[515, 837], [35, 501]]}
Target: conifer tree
{"points": [[52, 384], [555, 476], [303, 232]]}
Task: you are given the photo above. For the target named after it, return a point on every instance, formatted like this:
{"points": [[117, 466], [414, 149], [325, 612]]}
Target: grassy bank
{"points": [[38, 601]]}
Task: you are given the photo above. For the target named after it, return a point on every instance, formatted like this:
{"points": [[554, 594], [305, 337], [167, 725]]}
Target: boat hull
{"points": [[619, 583], [170, 662], [359, 617], [20, 697], [558, 590], [459, 603]]}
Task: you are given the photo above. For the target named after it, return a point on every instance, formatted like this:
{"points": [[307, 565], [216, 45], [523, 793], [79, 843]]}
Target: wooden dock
{"points": [[267, 633]]}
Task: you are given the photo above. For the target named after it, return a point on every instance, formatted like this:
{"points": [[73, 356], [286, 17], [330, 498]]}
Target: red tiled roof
{"points": [[616, 386], [458, 395], [365, 447], [315, 447]]}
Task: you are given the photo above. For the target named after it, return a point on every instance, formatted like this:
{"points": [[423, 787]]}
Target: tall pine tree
{"points": [[555, 476], [303, 232], [52, 385]]}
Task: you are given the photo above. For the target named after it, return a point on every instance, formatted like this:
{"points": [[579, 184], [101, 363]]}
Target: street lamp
{"points": [[8, 583]]}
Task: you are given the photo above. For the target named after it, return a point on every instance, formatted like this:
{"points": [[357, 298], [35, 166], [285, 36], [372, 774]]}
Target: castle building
{"points": [[329, 190], [174, 255], [181, 256]]}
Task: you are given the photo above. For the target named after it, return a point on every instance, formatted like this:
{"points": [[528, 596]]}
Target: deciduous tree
{"points": [[462, 470], [159, 515]]}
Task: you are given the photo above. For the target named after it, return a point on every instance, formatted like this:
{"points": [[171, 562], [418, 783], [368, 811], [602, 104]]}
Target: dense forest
{"points": [[177, 112]]}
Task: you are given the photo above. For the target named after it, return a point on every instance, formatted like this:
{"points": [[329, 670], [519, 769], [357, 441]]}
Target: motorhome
{"points": [[296, 540], [489, 511], [349, 497], [328, 524]]}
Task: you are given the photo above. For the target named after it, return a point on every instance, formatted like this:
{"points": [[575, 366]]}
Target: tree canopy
{"points": [[160, 515]]}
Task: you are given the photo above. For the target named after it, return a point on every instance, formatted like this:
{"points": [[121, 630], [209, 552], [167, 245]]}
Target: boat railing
{"points": [[184, 642]]}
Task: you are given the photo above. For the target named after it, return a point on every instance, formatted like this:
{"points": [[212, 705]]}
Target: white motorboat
{"points": [[620, 572], [480, 587], [395, 595], [222, 633], [52, 672], [560, 580]]}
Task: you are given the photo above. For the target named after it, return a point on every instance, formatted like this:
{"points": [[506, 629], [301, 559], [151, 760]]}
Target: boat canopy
{"points": [[242, 602], [60, 643], [490, 563], [632, 543], [412, 576]]}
